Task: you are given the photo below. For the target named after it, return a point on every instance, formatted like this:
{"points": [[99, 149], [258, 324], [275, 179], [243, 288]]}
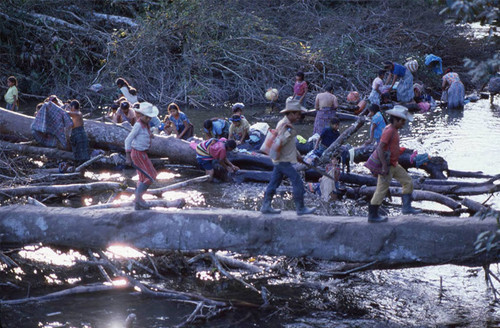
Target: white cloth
{"points": [[126, 93], [138, 138]]}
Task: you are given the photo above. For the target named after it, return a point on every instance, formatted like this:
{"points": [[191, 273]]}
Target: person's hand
{"points": [[235, 168], [128, 160], [300, 159]]}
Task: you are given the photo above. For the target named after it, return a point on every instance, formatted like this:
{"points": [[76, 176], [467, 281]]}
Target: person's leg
{"points": [[141, 159], [402, 176], [276, 178], [383, 184], [298, 189]]}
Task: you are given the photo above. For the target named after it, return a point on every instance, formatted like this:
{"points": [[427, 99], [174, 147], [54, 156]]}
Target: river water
{"points": [[441, 296]]}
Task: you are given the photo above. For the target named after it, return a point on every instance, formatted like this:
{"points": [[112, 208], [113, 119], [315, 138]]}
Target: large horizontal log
{"points": [[403, 241], [112, 136], [85, 188]]}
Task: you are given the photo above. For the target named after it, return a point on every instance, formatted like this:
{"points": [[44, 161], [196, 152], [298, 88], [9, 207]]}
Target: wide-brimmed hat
{"points": [[293, 106], [238, 106], [401, 112], [147, 109]]}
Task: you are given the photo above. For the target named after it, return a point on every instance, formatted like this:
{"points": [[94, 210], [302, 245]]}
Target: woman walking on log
{"points": [[326, 108], [137, 144], [405, 86], [453, 90], [390, 142], [283, 164]]}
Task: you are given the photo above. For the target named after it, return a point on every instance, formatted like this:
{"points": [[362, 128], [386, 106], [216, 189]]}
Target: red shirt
{"points": [[390, 137]]}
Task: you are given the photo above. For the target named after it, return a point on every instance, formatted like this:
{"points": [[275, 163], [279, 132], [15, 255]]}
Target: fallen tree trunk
{"points": [[85, 188], [112, 136], [401, 242]]}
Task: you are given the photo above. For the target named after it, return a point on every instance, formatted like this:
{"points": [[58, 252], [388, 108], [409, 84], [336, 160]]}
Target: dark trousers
{"points": [[281, 170]]}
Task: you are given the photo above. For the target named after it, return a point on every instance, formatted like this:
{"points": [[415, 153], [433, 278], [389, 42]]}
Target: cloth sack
{"points": [[269, 141], [374, 164]]}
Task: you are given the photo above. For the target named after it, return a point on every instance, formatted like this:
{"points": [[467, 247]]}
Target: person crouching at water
{"points": [[377, 85], [453, 90], [79, 141], [216, 128], [390, 141], [405, 86], [283, 164], [181, 125], [137, 144], [213, 149]]}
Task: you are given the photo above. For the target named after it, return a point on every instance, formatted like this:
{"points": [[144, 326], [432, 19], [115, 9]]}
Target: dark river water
{"points": [[440, 296]]}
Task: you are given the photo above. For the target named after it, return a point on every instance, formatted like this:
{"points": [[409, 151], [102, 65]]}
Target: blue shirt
{"points": [[179, 123], [399, 70], [217, 127], [328, 136], [379, 123]]}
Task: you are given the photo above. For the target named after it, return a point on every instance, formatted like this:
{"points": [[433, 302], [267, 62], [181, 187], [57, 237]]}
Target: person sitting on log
{"points": [[405, 86], [137, 144], [327, 137], [126, 90], [125, 114], [209, 150], [283, 162], [299, 88], [377, 84], [238, 131], [326, 105], [78, 139], [216, 128], [377, 126], [453, 95], [390, 142], [181, 124]]}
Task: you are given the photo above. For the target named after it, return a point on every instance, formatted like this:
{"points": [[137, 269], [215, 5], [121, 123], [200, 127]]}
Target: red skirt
{"points": [[141, 159]]}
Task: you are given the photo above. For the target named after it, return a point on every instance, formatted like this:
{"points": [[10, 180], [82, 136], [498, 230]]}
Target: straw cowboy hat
{"points": [[147, 109], [293, 106], [401, 112]]}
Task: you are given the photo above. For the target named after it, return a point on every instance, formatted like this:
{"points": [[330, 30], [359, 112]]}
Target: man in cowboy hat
{"points": [[283, 163], [390, 141]]}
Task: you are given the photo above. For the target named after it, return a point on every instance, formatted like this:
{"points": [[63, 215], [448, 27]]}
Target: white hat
{"points": [[401, 112], [293, 106], [147, 109]]}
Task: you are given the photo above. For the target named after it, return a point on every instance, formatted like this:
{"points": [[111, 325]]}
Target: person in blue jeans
{"points": [[283, 164]]}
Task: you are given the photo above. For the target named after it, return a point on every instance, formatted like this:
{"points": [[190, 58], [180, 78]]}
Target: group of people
{"points": [[221, 136]]}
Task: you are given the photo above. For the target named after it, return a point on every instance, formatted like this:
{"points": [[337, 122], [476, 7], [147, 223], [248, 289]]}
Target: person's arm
{"points": [[394, 76], [316, 103], [372, 133], [229, 166], [381, 157], [231, 130], [304, 95], [335, 103], [186, 127], [443, 85], [128, 143], [317, 143], [244, 135]]}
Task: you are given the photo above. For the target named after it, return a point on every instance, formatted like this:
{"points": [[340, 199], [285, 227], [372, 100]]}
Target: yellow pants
{"points": [[384, 181]]}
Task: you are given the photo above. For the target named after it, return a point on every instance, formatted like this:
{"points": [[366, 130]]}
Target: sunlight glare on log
{"points": [[192, 197], [48, 255], [104, 176], [123, 251]]}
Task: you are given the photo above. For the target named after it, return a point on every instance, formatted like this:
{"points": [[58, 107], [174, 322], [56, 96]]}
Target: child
{"points": [[377, 85], [239, 128], [209, 150], [112, 114], [377, 126], [327, 137], [126, 90], [78, 139], [137, 144], [181, 125], [300, 88], [12, 95], [238, 109], [216, 128]]}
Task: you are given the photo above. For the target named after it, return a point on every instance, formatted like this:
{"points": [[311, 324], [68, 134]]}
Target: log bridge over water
{"points": [[402, 242]]}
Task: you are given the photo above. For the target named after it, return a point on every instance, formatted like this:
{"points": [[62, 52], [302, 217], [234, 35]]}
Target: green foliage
{"points": [[470, 11]]}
